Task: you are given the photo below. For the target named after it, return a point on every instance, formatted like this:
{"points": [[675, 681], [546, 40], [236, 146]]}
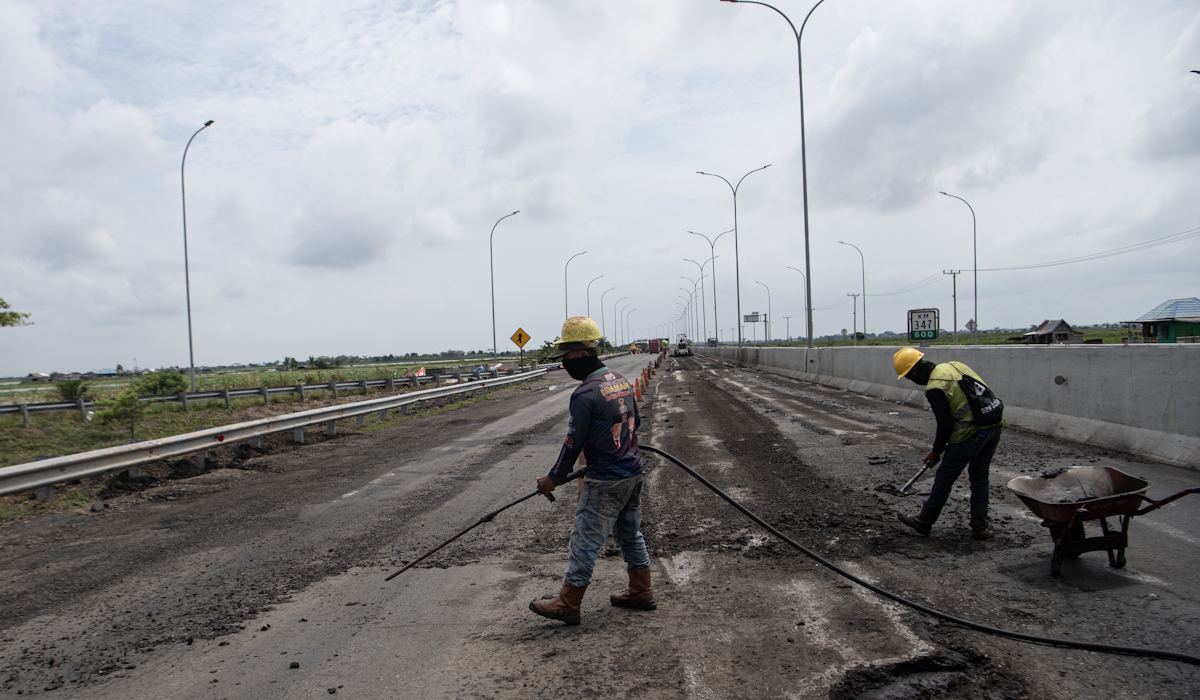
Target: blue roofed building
{"points": [[1173, 321]]}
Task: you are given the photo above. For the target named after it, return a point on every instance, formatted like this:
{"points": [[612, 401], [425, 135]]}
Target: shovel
{"points": [[904, 490]]}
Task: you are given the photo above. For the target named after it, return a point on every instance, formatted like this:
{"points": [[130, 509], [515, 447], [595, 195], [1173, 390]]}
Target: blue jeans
{"points": [[607, 507], [974, 454]]}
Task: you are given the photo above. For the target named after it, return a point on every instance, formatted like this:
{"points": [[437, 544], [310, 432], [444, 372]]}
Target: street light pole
{"points": [[975, 263], [803, 150], [712, 250], [691, 309], [736, 260], [766, 324], [589, 295], [863, 260], [788, 327], [806, 306], [626, 315], [620, 324], [954, 295], [703, 311], [492, 267], [187, 282], [603, 330], [566, 305], [617, 328]]}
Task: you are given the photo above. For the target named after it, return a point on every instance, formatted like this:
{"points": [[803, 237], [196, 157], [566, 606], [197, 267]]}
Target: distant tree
{"points": [[120, 368], [125, 412], [72, 390], [162, 383], [13, 318]]}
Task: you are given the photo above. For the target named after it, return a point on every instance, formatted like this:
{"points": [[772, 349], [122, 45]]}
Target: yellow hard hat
{"points": [[904, 360], [578, 332]]}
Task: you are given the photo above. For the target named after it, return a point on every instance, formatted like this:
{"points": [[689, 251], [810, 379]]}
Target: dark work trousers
{"points": [[975, 455]]}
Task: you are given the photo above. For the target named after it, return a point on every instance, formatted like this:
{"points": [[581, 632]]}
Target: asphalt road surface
{"points": [[267, 580]]}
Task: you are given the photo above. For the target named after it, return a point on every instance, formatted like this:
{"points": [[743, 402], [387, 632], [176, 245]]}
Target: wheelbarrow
{"points": [[1066, 498]]}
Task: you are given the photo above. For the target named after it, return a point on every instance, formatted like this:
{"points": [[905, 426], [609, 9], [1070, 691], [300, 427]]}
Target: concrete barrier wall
{"points": [[1142, 399]]}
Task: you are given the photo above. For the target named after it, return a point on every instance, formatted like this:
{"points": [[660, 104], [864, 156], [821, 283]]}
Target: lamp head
{"points": [[208, 123]]}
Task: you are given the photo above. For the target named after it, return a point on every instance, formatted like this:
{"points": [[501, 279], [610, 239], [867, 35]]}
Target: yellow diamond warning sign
{"points": [[520, 338]]}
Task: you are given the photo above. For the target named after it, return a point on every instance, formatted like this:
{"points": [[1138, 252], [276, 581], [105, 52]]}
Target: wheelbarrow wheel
{"points": [[1076, 534], [1120, 562]]}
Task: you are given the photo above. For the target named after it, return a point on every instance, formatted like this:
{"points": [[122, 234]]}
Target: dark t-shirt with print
{"points": [[604, 421]]}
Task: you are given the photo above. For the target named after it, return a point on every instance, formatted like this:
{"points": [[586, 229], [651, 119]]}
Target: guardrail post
{"points": [[364, 387], [24, 409], [298, 435], [300, 388], [383, 414], [182, 396], [134, 472], [331, 428], [82, 409], [266, 397], [390, 384], [458, 377], [404, 410], [437, 379], [362, 419], [333, 388], [201, 458], [416, 383], [43, 493], [495, 373], [256, 442], [225, 395]]}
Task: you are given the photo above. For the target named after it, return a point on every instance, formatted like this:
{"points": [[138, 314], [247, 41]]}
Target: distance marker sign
{"points": [[520, 338], [923, 324]]}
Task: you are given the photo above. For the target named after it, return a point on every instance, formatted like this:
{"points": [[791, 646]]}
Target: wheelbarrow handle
{"points": [[1154, 505]]}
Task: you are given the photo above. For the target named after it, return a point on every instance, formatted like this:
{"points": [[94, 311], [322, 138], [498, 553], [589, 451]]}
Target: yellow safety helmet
{"points": [[904, 360], [578, 332]]}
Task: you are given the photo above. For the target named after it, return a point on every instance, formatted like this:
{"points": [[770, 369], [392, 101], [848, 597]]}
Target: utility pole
{"points": [[788, 327], [854, 335], [954, 286]]}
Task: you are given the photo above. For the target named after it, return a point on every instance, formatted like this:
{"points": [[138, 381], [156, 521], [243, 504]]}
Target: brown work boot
{"points": [[565, 607], [639, 594], [922, 522]]}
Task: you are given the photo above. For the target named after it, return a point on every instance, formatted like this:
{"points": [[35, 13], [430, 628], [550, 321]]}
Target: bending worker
{"points": [[969, 422], [603, 425]]}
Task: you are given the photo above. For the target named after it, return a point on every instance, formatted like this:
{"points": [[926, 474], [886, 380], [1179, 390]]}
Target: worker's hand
{"points": [[933, 458], [545, 485]]}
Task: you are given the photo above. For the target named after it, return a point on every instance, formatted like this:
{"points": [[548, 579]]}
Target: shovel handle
{"points": [[913, 480]]}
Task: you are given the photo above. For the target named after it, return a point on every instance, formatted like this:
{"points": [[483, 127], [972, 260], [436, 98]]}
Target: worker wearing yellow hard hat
{"points": [[969, 421], [603, 426]]}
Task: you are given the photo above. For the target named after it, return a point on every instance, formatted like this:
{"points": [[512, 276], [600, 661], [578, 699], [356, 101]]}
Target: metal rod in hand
{"points": [[570, 477], [904, 489]]}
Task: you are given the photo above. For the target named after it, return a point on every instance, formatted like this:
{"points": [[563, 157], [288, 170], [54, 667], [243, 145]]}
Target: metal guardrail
{"points": [[265, 392], [45, 473]]}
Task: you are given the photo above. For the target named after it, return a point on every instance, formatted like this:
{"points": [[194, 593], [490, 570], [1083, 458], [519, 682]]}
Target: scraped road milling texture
{"points": [[219, 591]]}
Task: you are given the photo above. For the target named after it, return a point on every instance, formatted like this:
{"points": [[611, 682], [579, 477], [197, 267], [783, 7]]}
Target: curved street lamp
{"points": [[566, 307], [187, 283], [767, 323], [589, 295], [712, 250], [803, 277], [703, 311], [492, 267], [736, 261], [620, 322], [863, 260], [603, 330], [975, 264], [617, 327], [803, 151]]}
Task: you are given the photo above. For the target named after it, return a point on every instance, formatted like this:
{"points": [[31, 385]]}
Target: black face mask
{"points": [[580, 367], [920, 372]]}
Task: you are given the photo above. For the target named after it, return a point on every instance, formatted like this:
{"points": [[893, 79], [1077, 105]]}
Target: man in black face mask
{"points": [[603, 425]]}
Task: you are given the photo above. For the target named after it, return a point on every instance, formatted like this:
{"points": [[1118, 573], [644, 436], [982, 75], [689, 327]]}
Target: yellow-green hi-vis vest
{"points": [[945, 378]]}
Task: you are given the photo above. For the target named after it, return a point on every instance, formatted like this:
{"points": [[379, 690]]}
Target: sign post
{"points": [[923, 325], [520, 338]]}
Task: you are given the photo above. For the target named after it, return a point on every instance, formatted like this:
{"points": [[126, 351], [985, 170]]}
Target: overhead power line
{"points": [[1165, 240]]}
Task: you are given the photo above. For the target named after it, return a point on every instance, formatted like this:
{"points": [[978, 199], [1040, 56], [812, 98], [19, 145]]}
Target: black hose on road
{"points": [[1052, 641]]}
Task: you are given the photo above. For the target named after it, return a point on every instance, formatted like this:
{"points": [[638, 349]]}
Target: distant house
{"points": [[37, 377], [1052, 332], [106, 373], [1173, 321]]}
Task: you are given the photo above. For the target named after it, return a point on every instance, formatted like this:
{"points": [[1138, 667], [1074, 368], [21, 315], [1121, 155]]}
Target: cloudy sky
{"points": [[361, 152]]}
